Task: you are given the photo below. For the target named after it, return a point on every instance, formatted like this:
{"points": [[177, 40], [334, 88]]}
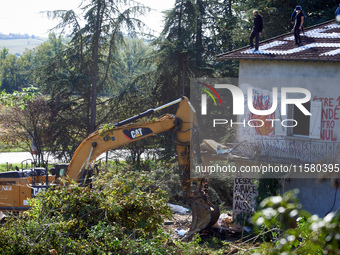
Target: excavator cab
{"points": [[59, 170]]}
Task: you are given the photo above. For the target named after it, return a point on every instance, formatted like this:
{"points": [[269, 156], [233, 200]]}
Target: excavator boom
{"points": [[99, 142], [184, 126], [80, 169]]}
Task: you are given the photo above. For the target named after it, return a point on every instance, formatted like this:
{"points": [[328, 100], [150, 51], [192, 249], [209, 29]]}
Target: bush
{"points": [[167, 177], [111, 217], [132, 200], [294, 231]]}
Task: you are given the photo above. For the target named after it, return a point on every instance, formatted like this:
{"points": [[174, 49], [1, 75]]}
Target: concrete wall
{"points": [[317, 198], [289, 69], [323, 81]]}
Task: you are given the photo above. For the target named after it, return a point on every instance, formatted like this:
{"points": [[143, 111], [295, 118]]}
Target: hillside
{"points": [[18, 46]]}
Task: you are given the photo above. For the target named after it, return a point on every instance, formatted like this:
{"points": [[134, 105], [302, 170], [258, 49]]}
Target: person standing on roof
{"points": [[337, 11], [299, 17], [256, 31]]}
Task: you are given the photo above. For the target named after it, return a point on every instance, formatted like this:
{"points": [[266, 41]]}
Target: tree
{"points": [[133, 63], [226, 34], [134, 90], [3, 53], [8, 71], [25, 124], [180, 49], [35, 123], [276, 13], [68, 84], [95, 43], [17, 73], [318, 11]]}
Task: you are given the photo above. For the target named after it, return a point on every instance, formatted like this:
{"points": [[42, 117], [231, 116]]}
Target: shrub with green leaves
{"points": [[123, 198], [111, 216], [132, 200], [293, 230]]}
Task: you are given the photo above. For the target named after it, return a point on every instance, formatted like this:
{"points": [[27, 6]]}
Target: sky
{"points": [[24, 16]]}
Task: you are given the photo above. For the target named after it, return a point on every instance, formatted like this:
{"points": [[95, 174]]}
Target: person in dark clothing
{"points": [[299, 17], [337, 11], [256, 31]]}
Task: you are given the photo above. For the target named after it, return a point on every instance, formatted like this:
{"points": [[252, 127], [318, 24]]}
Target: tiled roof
{"points": [[319, 43]]}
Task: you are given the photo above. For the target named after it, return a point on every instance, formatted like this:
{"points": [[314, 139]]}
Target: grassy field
{"points": [[9, 167], [18, 46]]}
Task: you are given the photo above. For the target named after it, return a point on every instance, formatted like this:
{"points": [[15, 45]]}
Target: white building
{"points": [[315, 66]]}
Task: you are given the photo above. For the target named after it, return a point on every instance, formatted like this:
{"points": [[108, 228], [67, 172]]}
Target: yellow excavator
{"points": [[17, 187]]}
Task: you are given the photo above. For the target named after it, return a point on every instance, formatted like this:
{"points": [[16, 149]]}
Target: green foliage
{"points": [[133, 92], [165, 175], [25, 124], [8, 70], [123, 198], [267, 187], [140, 207], [183, 48], [17, 73], [17, 98], [122, 213], [318, 11], [7, 146], [90, 53], [294, 231]]}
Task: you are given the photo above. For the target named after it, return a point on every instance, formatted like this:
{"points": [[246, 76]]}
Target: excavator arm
{"points": [[184, 126], [98, 143]]}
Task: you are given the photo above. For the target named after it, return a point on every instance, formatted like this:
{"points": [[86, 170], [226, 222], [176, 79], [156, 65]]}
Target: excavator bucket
{"points": [[204, 215]]}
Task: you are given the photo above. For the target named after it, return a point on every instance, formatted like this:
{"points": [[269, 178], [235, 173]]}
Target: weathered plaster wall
{"points": [[323, 81], [315, 197], [283, 69]]}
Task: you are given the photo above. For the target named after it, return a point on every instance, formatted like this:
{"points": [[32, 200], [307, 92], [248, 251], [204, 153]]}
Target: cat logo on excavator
{"points": [[133, 133]]}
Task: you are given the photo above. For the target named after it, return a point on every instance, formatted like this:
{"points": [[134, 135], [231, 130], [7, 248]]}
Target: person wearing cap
{"points": [[256, 31], [299, 19]]}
